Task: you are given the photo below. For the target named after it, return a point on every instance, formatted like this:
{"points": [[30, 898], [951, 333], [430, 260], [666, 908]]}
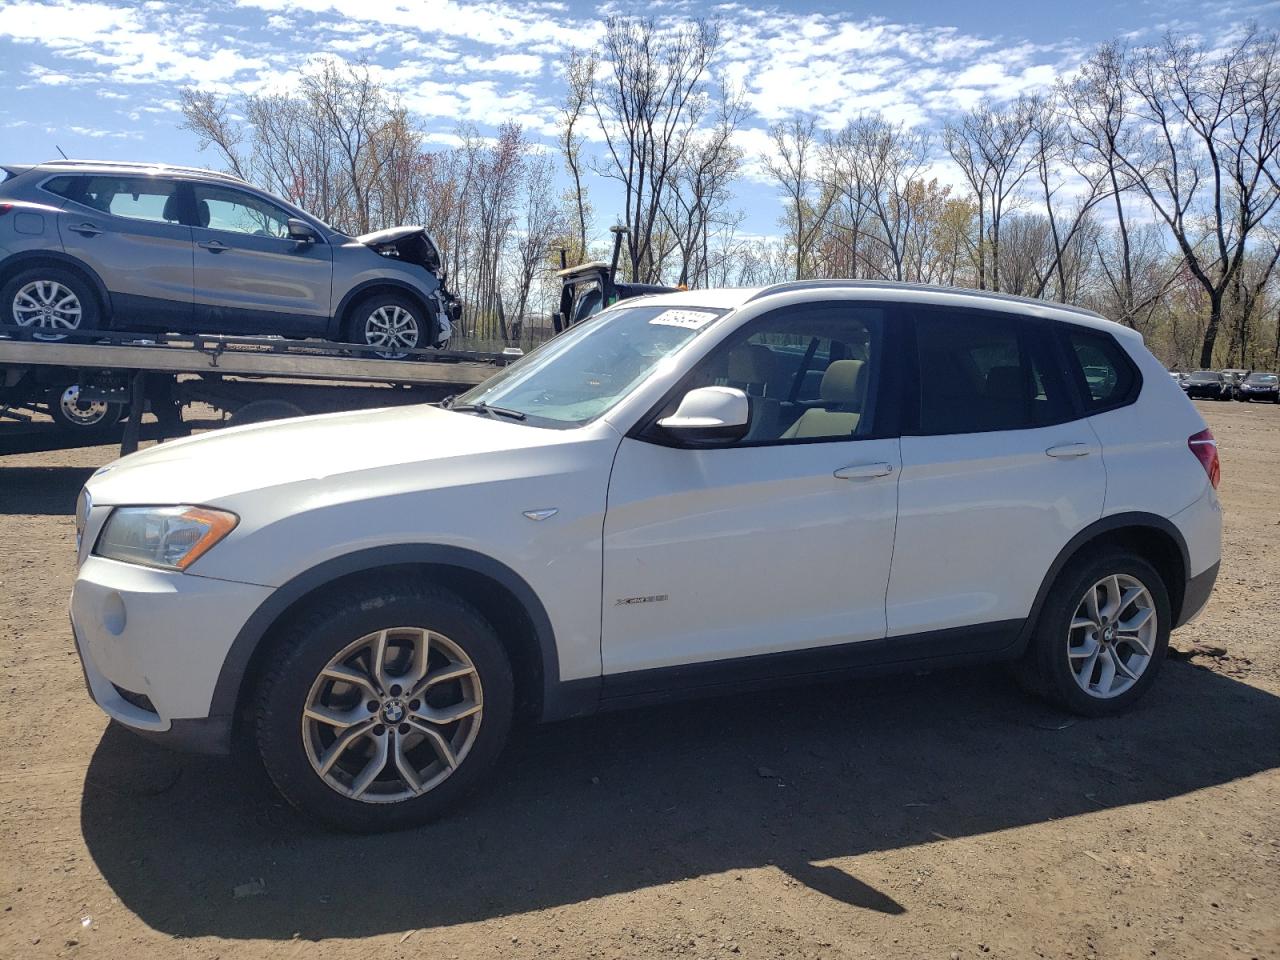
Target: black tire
{"points": [[86, 298], [1044, 669], [306, 648], [83, 419], [262, 411], [389, 308]]}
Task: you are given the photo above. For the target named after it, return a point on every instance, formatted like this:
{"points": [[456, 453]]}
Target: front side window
{"points": [[982, 372], [586, 371], [1107, 373], [137, 198], [221, 208], [810, 372]]}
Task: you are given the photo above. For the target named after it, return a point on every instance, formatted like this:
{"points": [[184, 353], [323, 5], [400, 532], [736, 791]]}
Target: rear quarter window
{"points": [[1105, 375]]}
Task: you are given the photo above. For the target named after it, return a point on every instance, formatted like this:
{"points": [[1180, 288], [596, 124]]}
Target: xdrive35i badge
{"points": [[627, 601]]}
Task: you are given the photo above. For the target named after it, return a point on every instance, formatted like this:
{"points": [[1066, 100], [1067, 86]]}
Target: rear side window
{"points": [[1104, 373], [982, 372], [138, 198]]}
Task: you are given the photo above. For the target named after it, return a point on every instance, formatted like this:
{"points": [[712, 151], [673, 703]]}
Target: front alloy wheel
{"points": [[392, 715], [1112, 636], [393, 328]]}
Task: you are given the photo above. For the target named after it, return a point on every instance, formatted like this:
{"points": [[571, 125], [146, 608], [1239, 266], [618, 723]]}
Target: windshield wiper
{"points": [[487, 409]]}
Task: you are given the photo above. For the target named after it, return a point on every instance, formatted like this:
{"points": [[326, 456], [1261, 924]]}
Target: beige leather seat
{"points": [[843, 386]]}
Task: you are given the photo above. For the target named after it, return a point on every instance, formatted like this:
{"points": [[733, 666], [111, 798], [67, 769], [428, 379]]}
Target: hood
{"points": [[391, 235], [213, 466]]}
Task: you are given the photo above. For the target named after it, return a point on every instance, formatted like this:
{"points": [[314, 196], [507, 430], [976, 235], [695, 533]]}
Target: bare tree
{"points": [[987, 144], [580, 81], [648, 101], [795, 165], [1208, 169]]}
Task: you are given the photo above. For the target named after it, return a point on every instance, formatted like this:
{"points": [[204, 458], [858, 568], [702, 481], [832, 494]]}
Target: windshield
{"points": [[584, 372], [1206, 377], [1262, 378]]}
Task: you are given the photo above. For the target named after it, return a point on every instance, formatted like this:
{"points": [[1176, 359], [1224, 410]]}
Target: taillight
{"points": [[1205, 448], [5, 208]]}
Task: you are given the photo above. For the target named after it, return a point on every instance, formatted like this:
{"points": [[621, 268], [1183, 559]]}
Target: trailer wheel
{"points": [[51, 301], [261, 411], [84, 417]]}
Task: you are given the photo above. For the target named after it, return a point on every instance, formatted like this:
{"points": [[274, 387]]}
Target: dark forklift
{"points": [[590, 287]]}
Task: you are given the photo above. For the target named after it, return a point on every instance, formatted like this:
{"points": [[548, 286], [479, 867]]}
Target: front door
{"points": [[777, 544], [250, 277]]}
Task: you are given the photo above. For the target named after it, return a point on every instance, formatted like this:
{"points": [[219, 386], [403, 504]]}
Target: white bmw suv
{"points": [[688, 493]]}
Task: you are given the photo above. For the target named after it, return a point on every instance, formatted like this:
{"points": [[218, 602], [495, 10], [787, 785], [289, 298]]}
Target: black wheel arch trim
{"points": [[1108, 524], [361, 290], [557, 699], [19, 261]]}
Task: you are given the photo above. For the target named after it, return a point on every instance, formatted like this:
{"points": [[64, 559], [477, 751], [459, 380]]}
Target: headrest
{"points": [[751, 363], [1004, 383], [172, 208], [202, 212], [842, 383]]}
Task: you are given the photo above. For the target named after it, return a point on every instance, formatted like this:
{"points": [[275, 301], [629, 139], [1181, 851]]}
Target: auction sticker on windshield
{"points": [[689, 319]]}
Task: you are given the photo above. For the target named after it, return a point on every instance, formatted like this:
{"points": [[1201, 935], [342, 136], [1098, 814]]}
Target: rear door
{"points": [[130, 231], [250, 276], [999, 471]]}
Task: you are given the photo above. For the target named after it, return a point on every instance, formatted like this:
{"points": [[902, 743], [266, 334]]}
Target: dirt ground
{"points": [[935, 816]]}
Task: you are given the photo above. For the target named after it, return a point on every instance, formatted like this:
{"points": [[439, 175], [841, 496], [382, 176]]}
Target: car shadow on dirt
{"points": [[42, 491], [611, 804]]}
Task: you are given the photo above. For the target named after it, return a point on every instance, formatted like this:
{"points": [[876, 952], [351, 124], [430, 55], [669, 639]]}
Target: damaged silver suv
{"points": [[95, 245]]}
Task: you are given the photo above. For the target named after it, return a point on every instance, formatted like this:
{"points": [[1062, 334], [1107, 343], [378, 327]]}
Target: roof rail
{"points": [[143, 165], [790, 285]]}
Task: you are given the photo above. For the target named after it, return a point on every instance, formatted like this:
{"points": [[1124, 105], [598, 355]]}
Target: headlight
{"points": [[171, 538]]}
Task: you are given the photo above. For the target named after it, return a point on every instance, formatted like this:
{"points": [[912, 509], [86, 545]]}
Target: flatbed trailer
{"points": [[90, 381]]}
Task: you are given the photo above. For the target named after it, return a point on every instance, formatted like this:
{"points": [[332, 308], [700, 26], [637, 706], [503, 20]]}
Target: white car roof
{"points": [[730, 297]]}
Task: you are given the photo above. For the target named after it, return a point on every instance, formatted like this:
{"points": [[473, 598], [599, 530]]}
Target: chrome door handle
{"points": [[216, 246], [864, 471], [86, 229], [1069, 451]]}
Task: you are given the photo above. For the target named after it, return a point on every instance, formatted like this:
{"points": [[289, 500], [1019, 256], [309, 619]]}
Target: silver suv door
{"points": [[250, 277], [129, 231]]}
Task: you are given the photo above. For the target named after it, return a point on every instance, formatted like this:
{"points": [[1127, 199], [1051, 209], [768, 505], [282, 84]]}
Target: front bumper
{"points": [[152, 644]]}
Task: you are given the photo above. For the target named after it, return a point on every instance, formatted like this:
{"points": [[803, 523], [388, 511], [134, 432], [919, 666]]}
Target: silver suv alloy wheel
{"points": [[48, 305], [1112, 636], [393, 327], [392, 715], [83, 413]]}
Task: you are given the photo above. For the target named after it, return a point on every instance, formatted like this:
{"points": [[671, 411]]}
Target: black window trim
{"points": [[1035, 336], [1075, 368], [884, 389]]}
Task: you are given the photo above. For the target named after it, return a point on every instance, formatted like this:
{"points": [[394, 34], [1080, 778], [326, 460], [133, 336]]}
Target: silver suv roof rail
{"points": [[141, 165], [929, 287]]}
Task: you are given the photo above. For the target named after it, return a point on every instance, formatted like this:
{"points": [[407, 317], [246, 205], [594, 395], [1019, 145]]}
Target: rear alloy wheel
{"points": [[391, 323], [1112, 636], [49, 301], [384, 706], [1101, 635]]}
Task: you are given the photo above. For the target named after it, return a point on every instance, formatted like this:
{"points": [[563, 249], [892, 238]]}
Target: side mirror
{"points": [[301, 231], [710, 414]]}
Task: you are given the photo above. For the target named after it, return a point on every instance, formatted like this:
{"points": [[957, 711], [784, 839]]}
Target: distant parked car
{"points": [[87, 245], [1179, 378], [1208, 385], [1259, 386]]}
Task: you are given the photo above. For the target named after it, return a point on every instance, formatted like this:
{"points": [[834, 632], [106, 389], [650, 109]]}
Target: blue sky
{"points": [[101, 79]]}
